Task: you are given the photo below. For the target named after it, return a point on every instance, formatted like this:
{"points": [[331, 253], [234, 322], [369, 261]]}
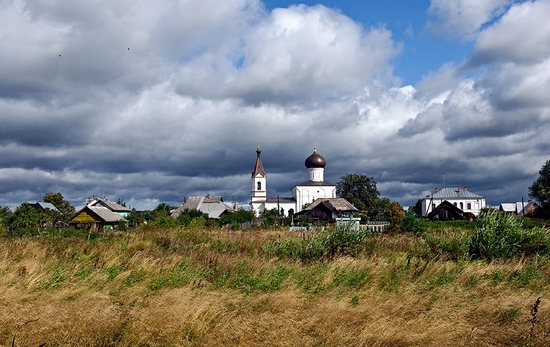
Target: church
{"points": [[303, 193]]}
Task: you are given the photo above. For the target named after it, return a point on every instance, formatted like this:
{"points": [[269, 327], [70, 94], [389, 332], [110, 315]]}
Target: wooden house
{"points": [[112, 206], [328, 210], [96, 218]]}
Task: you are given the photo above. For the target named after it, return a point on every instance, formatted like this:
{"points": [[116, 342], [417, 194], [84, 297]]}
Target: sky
{"points": [[151, 102]]}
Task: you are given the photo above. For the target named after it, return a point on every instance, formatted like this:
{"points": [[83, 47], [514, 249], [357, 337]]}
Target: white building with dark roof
{"points": [[462, 198], [304, 193]]}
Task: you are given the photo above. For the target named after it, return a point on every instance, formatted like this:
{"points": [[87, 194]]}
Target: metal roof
{"points": [[105, 214], [113, 206], [212, 205], [455, 193]]}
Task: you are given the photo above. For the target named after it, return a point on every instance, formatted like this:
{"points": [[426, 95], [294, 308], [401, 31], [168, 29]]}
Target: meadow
{"points": [[198, 287]]}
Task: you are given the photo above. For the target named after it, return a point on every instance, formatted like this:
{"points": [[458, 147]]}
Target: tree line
{"points": [[359, 189]]}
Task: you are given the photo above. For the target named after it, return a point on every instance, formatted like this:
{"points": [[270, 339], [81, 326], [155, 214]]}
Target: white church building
{"points": [[303, 193]]}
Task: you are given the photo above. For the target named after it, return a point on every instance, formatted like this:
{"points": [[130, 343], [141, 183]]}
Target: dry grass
{"points": [[192, 288]]}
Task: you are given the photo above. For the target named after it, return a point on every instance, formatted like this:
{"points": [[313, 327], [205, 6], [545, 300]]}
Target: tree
{"points": [[25, 219], [395, 215], [5, 214], [540, 189], [417, 208], [63, 206], [361, 191], [237, 218], [135, 218]]}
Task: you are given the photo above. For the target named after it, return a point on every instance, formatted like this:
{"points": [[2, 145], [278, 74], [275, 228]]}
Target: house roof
{"points": [[335, 204], [103, 213], [454, 193], [106, 214], [113, 206], [212, 205], [43, 205]]}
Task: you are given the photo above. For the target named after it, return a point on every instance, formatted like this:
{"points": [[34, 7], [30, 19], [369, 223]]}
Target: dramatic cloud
{"points": [[152, 102]]}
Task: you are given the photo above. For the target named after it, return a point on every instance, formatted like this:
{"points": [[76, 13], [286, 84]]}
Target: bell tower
{"points": [[259, 189]]}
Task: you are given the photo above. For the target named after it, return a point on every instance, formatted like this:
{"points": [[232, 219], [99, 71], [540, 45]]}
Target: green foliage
{"points": [[502, 235], [324, 243], [165, 221], [540, 189], [66, 209], [351, 278], [237, 217], [395, 216], [290, 248], [446, 245], [135, 218], [362, 192], [417, 208], [24, 218], [411, 224]]}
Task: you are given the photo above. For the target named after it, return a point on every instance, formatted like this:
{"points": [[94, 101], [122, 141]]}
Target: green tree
{"points": [[540, 189], [362, 192], [380, 210], [187, 216], [395, 216], [5, 214], [63, 206], [163, 209], [237, 218], [25, 219], [411, 224], [417, 208], [135, 218]]}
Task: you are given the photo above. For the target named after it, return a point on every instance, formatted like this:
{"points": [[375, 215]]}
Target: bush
{"points": [[411, 224], [501, 235], [448, 244], [328, 242]]}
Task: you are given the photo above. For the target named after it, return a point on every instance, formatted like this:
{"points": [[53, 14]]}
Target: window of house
{"points": [[461, 205], [469, 206]]}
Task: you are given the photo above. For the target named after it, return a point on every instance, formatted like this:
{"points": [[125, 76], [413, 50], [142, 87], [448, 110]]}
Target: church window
{"points": [[259, 185]]}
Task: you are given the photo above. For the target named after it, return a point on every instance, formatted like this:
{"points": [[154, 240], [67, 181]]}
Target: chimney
{"points": [[458, 190], [465, 189], [436, 190]]}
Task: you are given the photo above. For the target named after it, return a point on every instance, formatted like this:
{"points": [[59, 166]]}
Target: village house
{"points": [[100, 214], [328, 210], [461, 198], [213, 206], [519, 208]]}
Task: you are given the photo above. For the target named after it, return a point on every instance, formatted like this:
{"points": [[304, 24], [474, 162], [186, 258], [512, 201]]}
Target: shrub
{"points": [[500, 235], [452, 245], [411, 224]]}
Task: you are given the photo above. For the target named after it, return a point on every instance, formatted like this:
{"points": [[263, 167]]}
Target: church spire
{"points": [[258, 168]]}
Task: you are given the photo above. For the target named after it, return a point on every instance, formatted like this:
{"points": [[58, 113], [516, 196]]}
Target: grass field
{"points": [[188, 287]]}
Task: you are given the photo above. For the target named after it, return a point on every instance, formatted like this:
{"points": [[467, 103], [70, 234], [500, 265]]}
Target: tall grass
{"points": [[192, 287]]}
